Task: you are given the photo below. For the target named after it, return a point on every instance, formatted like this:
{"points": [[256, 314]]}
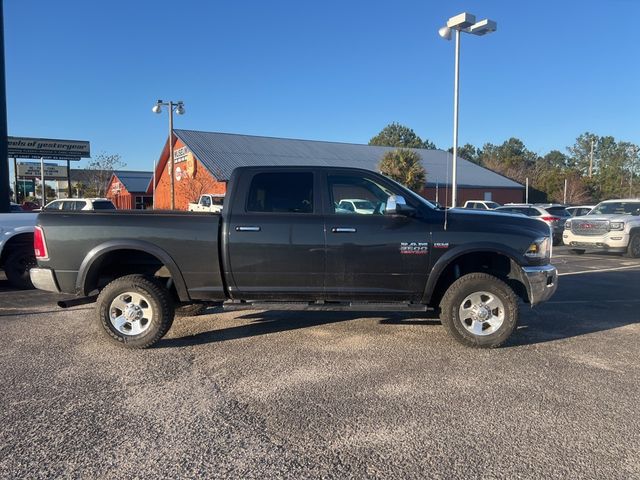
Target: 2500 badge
{"points": [[414, 248]]}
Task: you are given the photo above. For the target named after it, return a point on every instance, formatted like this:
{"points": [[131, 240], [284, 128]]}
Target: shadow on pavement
{"points": [[284, 320], [583, 304]]}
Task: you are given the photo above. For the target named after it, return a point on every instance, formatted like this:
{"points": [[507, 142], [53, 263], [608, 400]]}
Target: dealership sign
{"points": [[23, 147], [32, 169]]}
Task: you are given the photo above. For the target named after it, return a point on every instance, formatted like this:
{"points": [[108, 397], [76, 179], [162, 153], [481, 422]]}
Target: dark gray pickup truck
{"points": [[299, 237]]}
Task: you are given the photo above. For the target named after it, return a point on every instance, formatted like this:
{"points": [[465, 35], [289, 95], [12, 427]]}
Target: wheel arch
{"points": [[94, 261], [496, 259], [18, 240]]}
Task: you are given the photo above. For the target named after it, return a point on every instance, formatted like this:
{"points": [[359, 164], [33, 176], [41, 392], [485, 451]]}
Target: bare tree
{"points": [[99, 173], [192, 186]]}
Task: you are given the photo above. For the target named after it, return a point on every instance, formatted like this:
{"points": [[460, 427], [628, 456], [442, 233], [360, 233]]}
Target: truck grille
{"points": [[589, 227]]}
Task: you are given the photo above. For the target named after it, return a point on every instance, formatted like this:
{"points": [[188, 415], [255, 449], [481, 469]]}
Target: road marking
{"points": [[599, 270], [591, 301]]}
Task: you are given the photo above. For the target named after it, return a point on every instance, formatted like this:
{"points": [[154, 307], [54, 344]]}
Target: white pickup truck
{"points": [[208, 202], [16, 247], [613, 226]]}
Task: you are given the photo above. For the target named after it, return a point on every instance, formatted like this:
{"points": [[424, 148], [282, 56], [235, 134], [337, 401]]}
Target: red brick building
{"points": [[131, 190], [204, 162]]}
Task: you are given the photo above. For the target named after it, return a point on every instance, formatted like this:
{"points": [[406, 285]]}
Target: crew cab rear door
{"points": [[275, 236], [372, 255]]}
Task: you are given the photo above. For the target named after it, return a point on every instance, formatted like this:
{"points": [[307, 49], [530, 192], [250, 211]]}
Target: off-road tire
{"points": [[17, 266], [577, 251], [467, 285], [160, 302], [633, 249], [190, 309]]}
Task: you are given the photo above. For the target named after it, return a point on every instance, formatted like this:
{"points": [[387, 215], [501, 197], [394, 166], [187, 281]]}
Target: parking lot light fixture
{"points": [[463, 22], [177, 107]]}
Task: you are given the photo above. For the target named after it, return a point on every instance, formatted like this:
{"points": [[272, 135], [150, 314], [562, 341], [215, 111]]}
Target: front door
{"points": [[276, 241], [372, 255]]}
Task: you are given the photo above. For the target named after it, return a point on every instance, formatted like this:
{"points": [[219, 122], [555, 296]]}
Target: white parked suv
{"points": [[481, 205], [613, 225], [80, 204]]}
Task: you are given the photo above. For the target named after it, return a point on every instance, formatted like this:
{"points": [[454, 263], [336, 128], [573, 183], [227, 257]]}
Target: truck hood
{"points": [[610, 217], [497, 222]]}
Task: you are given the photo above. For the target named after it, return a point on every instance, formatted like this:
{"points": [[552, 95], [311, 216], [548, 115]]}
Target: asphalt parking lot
{"points": [[329, 395]]}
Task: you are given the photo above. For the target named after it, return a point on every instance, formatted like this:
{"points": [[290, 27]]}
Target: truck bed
{"points": [[150, 238]]}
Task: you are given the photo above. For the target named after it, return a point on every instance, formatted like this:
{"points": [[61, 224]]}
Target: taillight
{"points": [[39, 245], [551, 219]]}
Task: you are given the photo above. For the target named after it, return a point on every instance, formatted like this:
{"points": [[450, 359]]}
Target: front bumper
{"points": [[542, 282], [614, 241], [44, 279]]}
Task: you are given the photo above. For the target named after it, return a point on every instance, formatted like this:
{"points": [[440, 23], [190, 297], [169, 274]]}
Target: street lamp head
{"points": [[157, 108], [180, 108], [483, 27], [445, 32]]}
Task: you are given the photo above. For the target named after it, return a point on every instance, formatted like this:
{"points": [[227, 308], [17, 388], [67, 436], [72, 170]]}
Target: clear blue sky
{"points": [[330, 70]]}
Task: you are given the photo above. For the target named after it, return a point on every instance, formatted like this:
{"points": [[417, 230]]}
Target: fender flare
{"points": [[452, 255], [97, 253], [7, 238]]}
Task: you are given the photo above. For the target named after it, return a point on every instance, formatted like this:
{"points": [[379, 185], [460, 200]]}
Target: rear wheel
{"points": [[633, 249], [135, 311], [17, 267], [577, 251], [479, 310]]}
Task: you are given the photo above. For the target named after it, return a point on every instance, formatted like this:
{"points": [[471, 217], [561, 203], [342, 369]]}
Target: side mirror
{"points": [[396, 204]]}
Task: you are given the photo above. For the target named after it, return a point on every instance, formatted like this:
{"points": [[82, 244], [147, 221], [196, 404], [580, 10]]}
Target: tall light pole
{"points": [[178, 107], [464, 22]]}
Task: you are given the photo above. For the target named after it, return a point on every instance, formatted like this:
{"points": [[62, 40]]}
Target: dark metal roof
{"points": [[220, 153], [134, 181]]}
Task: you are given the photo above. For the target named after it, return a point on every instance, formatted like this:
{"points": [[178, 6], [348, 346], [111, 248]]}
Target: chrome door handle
{"points": [[247, 229], [343, 230]]}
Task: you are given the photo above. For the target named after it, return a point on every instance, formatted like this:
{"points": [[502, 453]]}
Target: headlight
{"points": [[567, 224], [541, 248], [616, 226]]}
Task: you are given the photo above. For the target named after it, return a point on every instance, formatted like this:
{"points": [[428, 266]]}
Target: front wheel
{"points": [[479, 310], [135, 311], [633, 250]]}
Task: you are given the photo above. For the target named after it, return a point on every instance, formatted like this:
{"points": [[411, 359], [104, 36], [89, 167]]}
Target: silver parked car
{"points": [[555, 215]]}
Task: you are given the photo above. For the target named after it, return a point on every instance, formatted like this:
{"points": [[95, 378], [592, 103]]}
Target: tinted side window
{"points": [[358, 195], [103, 206], [281, 193]]}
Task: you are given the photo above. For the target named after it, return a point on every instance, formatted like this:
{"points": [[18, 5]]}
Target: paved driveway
{"points": [[333, 395]]}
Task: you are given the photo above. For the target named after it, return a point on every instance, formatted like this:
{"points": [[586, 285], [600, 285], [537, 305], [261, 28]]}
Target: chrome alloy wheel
{"points": [[130, 313], [481, 313]]}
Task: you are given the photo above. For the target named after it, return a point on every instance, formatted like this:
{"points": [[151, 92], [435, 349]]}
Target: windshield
{"points": [[616, 208]]}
